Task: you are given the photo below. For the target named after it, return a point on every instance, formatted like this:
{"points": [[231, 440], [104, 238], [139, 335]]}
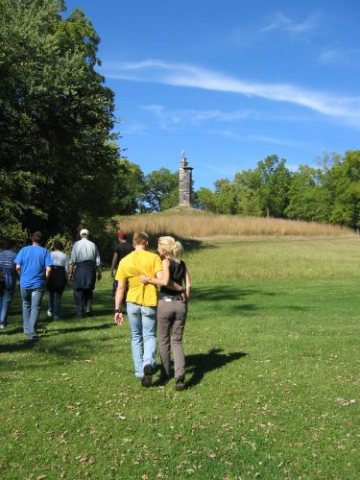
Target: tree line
{"points": [[60, 165], [329, 193]]}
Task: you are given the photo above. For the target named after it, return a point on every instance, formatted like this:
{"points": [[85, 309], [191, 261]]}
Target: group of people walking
{"points": [[40, 270], [155, 287]]}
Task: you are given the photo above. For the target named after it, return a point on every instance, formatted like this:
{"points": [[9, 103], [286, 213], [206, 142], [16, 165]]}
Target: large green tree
{"points": [[309, 198], [345, 178], [161, 190], [56, 116], [129, 188], [273, 183], [247, 186], [226, 197]]}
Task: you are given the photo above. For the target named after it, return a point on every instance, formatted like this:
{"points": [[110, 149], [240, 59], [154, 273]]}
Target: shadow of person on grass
{"points": [[200, 363]]}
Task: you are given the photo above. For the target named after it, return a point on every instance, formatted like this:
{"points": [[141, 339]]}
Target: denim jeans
{"points": [[5, 301], [55, 304], [143, 336], [31, 304]]}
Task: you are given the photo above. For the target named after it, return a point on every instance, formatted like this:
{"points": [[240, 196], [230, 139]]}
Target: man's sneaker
{"points": [[49, 313], [146, 380], [179, 383]]}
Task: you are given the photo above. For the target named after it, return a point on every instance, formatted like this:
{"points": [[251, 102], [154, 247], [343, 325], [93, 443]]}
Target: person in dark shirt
{"points": [[122, 249]]}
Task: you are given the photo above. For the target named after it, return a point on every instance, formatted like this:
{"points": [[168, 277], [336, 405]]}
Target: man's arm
{"points": [[71, 270], [72, 262], [113, 263], [47, 272], [119, 296], [98, 269]]}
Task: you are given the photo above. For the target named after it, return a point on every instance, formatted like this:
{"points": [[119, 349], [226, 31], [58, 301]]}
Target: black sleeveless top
{"points": [[177, 274]]}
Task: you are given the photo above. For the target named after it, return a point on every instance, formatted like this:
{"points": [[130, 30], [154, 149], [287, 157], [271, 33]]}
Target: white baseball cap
{"points": [[84, 232]]}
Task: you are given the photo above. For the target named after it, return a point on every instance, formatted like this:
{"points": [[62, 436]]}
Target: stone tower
{"points": [[185, 177]]}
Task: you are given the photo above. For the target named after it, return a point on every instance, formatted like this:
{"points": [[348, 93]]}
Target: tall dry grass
{"points": [[202, 225]]}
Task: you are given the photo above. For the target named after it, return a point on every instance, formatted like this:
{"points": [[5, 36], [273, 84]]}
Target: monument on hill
{"points": [[185, 182]]}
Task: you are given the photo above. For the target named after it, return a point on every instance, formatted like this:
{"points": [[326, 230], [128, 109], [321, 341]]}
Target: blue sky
{"points": [[230, 81]]}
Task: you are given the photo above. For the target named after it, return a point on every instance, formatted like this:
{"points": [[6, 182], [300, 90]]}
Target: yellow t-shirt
{"points": [[131, 267]]}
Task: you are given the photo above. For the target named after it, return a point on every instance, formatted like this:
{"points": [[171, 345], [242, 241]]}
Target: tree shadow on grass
{"points": [[45, 354], [16, 347], [201, 363], [83, 328], [225, 298], [189, 244], [226, 292]]}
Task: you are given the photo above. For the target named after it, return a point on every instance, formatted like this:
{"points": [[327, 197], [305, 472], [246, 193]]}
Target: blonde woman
{"points": [[174, 294]]}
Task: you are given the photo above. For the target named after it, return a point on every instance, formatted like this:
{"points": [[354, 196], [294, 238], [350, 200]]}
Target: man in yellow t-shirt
{"points": [[141, 303]]}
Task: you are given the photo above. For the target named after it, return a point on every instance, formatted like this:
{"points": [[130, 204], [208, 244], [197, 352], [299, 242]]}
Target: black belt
{"points": [[169, 298]]}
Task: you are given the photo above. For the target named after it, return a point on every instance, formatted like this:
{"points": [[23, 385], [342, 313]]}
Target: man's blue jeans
{"points": [[31, 304], [5, 301], [55, 304], [143, 336]]}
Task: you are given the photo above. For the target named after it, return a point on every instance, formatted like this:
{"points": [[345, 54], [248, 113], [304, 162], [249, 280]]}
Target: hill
{"points": [[193, 223]]}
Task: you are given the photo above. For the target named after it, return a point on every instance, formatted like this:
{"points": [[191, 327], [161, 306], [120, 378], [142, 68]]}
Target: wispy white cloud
{"points": [[346, 109], [169, 118], [226, 169], [340, 56], [284, 23], [257, 138], [132, 128]]}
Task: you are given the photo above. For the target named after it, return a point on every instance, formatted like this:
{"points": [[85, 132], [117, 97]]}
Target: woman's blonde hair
{"points": [[172, 247]]}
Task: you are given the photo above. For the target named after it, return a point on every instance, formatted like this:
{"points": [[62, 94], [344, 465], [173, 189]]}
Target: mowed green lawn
{"points": [[272, 346]]}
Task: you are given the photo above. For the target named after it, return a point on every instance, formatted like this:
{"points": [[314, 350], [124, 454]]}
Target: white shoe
{"points": [[2, 327], [49, 313]]}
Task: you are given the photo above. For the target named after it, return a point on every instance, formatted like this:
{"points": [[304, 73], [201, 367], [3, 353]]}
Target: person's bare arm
{"points": [[119, 296], [98, 270], [162, 278], [187, 284], [113, 263], [72, 268]]}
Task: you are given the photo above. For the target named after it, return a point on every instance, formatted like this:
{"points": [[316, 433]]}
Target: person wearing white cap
{"points": [[84, 263]]}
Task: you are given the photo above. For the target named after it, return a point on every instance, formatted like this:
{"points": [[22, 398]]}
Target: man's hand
{"points": [[118, 318], [99, 276]]}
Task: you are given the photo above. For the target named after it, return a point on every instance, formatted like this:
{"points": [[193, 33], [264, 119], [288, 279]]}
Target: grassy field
{"points": [[272, 346]]}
